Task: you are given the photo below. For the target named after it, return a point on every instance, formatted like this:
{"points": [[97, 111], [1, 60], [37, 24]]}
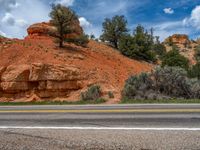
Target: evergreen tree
{"points": [[113, 30], [62, 18], [174, 59], [139, 46]]}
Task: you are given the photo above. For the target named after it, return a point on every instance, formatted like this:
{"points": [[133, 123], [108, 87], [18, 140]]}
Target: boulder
{"points": [[46, 72], [47, 29], [181, 39]]}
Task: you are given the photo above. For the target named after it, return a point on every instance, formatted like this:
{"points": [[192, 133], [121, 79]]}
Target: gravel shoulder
{"points": [[98, 139]]}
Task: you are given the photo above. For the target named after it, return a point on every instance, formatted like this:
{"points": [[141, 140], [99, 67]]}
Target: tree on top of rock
{"points": [[114, 29], [63, 19]]}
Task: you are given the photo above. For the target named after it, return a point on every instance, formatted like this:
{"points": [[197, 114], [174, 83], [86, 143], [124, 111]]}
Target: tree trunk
{"points": [[60, 42]]}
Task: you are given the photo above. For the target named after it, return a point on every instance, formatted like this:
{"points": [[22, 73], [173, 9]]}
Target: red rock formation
{"points": [[43, 80], [36, 69], [178, 39], [47, 29]]}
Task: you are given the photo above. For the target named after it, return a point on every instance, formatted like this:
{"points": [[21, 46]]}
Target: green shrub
{"points": [[111, 95], [194, 71], [174, 59], [82, 40], [197, 53], [162, 83], [93, 93], [135, 84]]}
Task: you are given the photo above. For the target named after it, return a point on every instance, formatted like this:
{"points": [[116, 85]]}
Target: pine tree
{"points": [[62, 18], [114, 29]]}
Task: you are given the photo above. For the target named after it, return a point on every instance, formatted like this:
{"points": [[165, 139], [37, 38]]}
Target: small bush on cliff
{"points": [[114, 29], [163, 83], [93, 93], [174, 59]]}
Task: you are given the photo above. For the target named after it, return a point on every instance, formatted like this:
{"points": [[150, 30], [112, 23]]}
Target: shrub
{"points": [[194, 71], [162, 83], [172, 81], [196, 88], [111, 95], [174, 59], [135, 84], [80, 41], [93, 93], [197, 53]]}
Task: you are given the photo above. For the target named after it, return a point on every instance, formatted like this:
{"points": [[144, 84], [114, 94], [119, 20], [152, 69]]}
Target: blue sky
{"points": [[165, 16]]}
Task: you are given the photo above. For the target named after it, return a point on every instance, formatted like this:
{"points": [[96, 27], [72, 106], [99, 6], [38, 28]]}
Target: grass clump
{"points": [[93, 93]]}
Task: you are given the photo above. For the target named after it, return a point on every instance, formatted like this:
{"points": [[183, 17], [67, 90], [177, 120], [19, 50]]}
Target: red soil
{"points": [[99, 63]]}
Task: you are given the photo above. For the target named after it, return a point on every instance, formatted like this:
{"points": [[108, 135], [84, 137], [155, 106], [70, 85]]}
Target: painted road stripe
{"points": [[99, 128], [107, 111]]}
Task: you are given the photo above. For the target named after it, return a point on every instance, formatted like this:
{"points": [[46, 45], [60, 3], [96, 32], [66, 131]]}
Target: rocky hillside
{"points": [[185, 45], [36, 69]]}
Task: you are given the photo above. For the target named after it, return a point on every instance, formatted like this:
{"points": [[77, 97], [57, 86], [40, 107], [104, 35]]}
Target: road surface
{"points": [[139, 127]]}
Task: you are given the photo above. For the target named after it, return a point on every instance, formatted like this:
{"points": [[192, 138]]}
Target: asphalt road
{"points": [[100, 127]]}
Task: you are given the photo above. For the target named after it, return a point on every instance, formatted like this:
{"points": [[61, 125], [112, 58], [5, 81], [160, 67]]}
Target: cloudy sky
{"points": [[165, 16]]}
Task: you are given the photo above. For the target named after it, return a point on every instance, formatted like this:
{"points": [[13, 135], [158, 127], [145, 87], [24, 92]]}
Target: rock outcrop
{"points": [[43, 80], [181, 39], [185, 45], [47, 29]]}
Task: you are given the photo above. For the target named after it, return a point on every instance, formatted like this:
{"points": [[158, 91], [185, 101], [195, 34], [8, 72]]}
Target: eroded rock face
{"points": [[47, 29], [178, 39], [44, 72], [43, 80]]}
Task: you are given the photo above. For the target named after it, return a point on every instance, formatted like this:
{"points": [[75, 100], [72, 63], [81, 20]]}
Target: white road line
{"points": [[99, 128]]}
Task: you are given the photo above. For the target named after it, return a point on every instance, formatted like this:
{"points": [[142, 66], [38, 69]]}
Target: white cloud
{"points": [[9, 19], [84, 22], [194, 19], [2, 33], [89, 28], [21, 22], [65, 2], [166, 29], [17, 15], [8, 5], [168, 10]]}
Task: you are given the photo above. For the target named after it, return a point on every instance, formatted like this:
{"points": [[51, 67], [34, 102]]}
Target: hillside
{"points": [[35, 68]]}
